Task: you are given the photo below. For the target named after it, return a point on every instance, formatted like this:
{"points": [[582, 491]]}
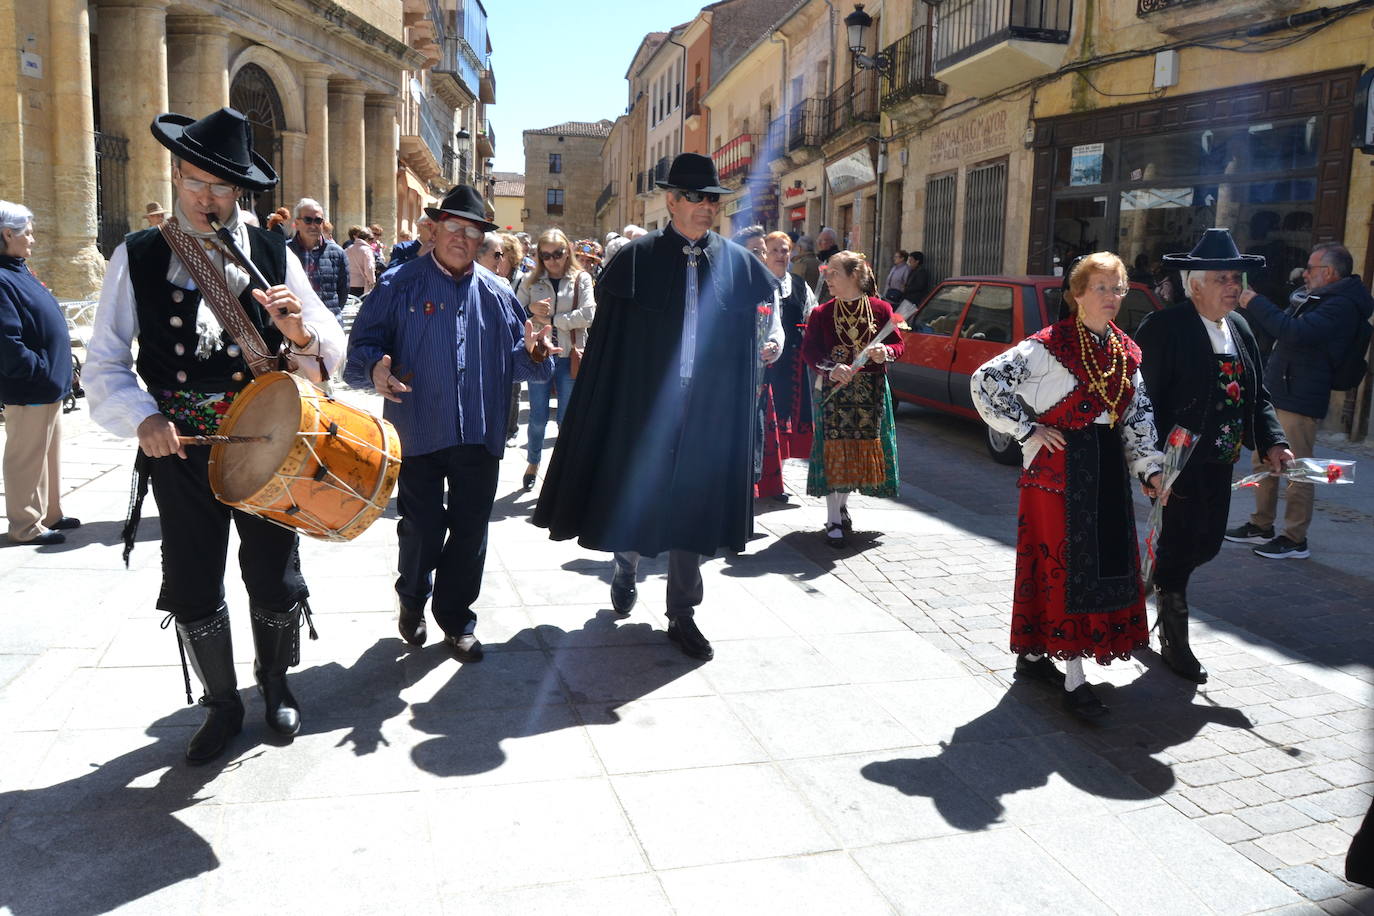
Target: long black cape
{"points": [[643, 462]]}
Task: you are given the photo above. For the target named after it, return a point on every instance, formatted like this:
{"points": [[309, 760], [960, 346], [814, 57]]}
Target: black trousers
{"points": [[1194, 523], [443, 536], [684, 579], [195, 545]]}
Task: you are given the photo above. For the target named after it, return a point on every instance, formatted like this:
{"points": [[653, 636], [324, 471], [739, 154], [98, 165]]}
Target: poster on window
{"points": [[1085, 164]]}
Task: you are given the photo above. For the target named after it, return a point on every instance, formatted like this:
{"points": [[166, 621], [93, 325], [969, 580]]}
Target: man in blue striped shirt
{"points": [[442, 339]]}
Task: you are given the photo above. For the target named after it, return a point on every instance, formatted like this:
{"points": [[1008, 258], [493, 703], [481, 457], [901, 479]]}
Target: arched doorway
{"points": [[254, 94]]}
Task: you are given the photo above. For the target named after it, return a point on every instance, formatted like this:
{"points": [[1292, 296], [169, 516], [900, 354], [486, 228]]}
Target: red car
{"points": [[965, 321]]}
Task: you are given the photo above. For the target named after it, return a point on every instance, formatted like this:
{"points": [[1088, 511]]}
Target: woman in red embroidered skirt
{"points": [[1072, 395]]}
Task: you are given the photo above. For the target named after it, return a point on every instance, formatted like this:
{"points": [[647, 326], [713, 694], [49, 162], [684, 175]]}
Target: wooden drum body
{"points": [[327, 468]]}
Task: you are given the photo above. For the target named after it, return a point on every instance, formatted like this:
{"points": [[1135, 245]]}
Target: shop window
{"points": [[941, 312], [989, 317], [985, 210], [1080, 227], [1256, 148], [939, 226]]}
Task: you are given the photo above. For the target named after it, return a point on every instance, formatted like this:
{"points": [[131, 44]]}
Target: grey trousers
{"points": [[684, 579]]}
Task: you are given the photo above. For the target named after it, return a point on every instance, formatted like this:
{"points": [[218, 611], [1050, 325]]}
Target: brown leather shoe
{"points": [[465, 648]]}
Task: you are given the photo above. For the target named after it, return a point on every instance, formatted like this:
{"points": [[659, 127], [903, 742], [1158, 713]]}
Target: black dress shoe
{"points": [[624, 593], [1042, 669], [527, 482], [65, 523], [845, 520], [47, 537], [1083, 704], [465, 648], [834, 534], [683, 633], [780, 498], [411, 623]]}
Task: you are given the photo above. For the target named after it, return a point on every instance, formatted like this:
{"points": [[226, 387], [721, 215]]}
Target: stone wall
{"points": [[580, 182]]}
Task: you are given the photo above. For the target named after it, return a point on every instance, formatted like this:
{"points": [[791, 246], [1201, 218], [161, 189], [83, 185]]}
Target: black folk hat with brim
{"points": [[462, 200], [221, 143], [1216, 250], [693, 172]]}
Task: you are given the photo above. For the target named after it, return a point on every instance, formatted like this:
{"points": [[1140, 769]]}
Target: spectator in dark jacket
{"points": [[324, 261], [35, 376], [917, 279], [1309, 340], [411, 249]]}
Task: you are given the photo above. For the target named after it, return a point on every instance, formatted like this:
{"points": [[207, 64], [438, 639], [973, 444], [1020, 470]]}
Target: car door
{"points": [[988, 327], [922, 374]]}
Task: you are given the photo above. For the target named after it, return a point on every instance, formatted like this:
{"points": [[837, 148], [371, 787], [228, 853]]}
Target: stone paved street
{"points": [[857, 746]]}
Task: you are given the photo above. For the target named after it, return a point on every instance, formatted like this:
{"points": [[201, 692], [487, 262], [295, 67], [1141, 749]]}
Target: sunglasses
{"points": [[312, 220], [452, 225], [553, 255], [696, 197], [196, 186]]}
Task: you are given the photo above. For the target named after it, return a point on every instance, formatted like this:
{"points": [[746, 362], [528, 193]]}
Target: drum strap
{"points": [[215, 291]]}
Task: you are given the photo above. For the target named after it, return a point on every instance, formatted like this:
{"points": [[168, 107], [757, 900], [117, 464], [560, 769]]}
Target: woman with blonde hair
{"points": [[1073, 396], [558, 292], [855, 446]]}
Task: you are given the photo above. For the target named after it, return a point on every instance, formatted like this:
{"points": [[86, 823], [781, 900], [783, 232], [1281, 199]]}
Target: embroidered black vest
{"points": [[167, 317]]}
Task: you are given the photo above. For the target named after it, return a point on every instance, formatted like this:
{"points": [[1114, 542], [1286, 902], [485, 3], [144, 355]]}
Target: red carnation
{"points": [[1333, 473], [1180, 438], [1233, 391], [221, 407]]}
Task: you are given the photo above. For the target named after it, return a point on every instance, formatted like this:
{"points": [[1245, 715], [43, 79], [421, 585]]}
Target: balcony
{"points": [[804, 123], [982, 46], [852, 103], [486, 86], [644, 183], [486, 140], [775, 147], [912, 88], [691, 105], [1186, 18], [422, 138], [736, 157], [658, 173], [605, 197]]}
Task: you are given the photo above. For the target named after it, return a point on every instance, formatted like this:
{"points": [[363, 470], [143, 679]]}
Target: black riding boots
{"points": [[277, 641], [206, 644], [1173, 636]]}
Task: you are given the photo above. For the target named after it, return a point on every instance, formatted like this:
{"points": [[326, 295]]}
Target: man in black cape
{"points": [[656, 451]]}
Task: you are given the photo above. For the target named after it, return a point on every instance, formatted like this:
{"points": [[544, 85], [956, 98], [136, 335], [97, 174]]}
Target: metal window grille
{"points": [[985, 212], [939, 227], [111, 191]]}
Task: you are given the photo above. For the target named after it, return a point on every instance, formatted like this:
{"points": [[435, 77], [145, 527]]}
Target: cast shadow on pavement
{"points": [[975, 776], [110, 837], [518, 694]]}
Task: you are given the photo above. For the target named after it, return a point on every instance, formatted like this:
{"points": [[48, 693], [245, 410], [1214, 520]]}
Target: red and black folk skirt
{"points": [[1078, 592]]}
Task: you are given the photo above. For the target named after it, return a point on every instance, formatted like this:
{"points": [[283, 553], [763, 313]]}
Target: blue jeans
{"points": [[562, 384]]}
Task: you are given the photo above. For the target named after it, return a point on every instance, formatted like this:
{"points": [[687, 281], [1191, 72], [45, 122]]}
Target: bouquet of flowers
{"points": [[1178, 448], [1305, 470]]}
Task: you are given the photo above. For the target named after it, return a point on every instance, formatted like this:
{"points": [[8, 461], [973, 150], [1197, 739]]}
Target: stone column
{"points": [[381, 163], [296, 176], [315, 178], [347, 165], [77, 267], [197, 65], [133, 91]]}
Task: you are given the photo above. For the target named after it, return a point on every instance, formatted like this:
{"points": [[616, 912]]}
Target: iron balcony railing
{"points": [[854, 102], [692, 104], [659, 172], [965, 27], [429, 130], [735, 157], [911, 67], [1146, 7], [643, 182], [804, 123], [775, 147], [605, 196]]}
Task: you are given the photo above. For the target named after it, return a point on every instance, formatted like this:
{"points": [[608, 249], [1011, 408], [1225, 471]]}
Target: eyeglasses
{"points": [[1311, 267], [312, 220], [696, 197], [553, 255], [196, 186], [1117, 291], [452, 225]]}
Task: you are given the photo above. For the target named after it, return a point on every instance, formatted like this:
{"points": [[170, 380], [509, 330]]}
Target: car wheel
{"points": [[1003, 448]]}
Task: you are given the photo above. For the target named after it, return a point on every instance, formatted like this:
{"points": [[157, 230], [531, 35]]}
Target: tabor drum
{"points": [[326, 469]]}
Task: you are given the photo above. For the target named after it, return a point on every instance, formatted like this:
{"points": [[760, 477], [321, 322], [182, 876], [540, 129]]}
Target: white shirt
{"points": [[1223, 343], [118, 402]]}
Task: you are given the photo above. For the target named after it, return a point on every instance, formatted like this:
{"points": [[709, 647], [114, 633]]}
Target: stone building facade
{"points": [[563, 177], [320, 81]]}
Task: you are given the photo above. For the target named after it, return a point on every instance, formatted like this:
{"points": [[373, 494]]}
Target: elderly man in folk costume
{"points": [[1204, 372], [156, 291], [656, 453]]}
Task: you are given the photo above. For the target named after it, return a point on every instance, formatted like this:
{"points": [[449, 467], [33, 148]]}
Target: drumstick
{"points": [[220, 440]]}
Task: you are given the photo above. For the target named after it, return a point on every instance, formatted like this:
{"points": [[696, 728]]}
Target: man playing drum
{"points": [[191, 370]]}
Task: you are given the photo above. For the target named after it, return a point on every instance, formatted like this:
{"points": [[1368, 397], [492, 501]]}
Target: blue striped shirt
{"points": [[458, 342]]}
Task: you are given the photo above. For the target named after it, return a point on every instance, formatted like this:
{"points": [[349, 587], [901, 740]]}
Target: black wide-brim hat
{"points": [[693, 172], [1216, 250], [462, 200], [221, 143]]}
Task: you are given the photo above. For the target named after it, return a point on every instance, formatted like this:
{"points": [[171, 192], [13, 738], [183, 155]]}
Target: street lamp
{"points": [[858, 23]]}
